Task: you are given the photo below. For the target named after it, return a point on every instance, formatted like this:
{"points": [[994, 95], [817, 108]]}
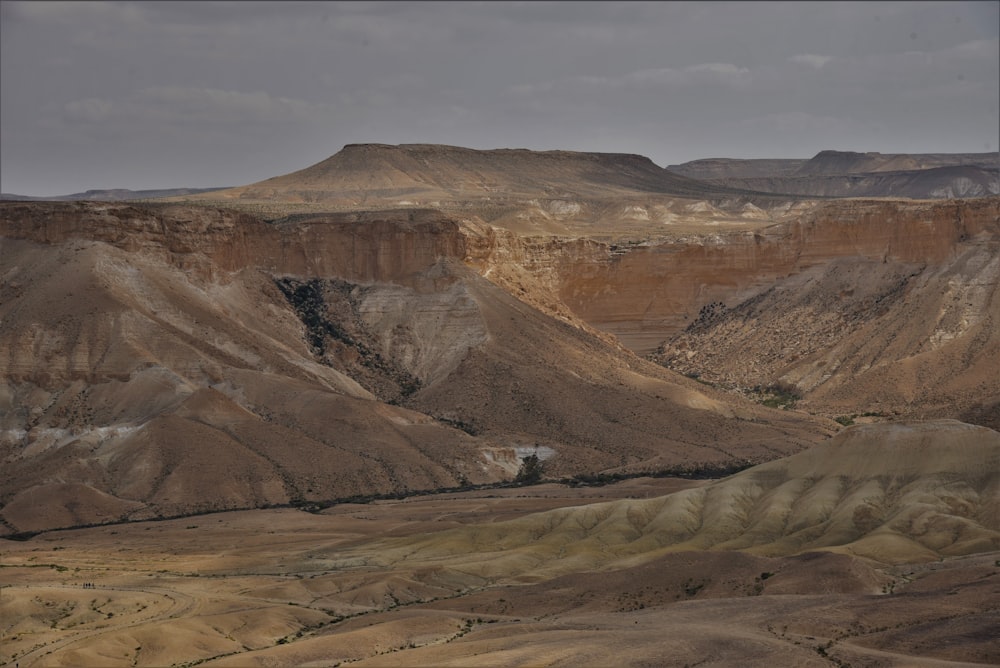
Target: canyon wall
{"points": [[641, 292], [354, 246], [857, 307], [645, 293]]}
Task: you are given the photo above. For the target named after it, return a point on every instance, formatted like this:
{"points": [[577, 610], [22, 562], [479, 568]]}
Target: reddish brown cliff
{"points": [[645, 293]]}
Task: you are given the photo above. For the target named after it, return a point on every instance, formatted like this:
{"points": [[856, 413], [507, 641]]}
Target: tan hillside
{"points": [[899, 493]]}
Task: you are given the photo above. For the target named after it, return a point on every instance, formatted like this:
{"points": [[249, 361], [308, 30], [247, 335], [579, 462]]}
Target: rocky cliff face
{"points": [[646, 292], [358, 246]]}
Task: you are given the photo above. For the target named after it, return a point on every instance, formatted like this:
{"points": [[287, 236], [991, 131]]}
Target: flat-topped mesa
{"points": [[841, 162], [464, 152], [422, 162], [408, 174]]}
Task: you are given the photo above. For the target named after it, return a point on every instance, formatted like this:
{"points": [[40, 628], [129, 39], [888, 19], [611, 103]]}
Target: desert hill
{"points": [[851, 174], [160, 361], [850, 162], [111, 195], [414, 173], [828, 162]]}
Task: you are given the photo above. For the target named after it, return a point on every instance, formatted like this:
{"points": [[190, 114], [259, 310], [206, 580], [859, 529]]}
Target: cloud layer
{"points": [[162, 94]]}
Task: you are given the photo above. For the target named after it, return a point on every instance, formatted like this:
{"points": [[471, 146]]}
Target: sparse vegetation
{"points": [[692, 587], [531, 471], [778, 395], [849, 420], [692, 471]]}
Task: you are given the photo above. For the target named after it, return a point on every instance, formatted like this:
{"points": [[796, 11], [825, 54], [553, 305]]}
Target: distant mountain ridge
{"points": [[369, 173], [852, 174], [111, 195]]}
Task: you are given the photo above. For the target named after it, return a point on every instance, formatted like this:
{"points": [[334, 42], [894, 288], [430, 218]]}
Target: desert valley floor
{"points": [[266, 588]]}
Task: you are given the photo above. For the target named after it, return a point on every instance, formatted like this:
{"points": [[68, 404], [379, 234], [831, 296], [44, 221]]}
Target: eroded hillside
{"points": [[466, 345], [160, 361], [855, 306], [899, 318]]}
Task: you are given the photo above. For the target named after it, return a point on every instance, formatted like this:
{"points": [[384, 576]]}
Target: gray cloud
{"points": [[161, 94], [185, 105]]}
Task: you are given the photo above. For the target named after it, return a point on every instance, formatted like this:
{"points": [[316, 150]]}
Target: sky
{"points": [[145, 95]]}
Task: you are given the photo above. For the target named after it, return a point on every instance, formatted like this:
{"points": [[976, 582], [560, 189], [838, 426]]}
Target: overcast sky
{"points": [[175, 94]]}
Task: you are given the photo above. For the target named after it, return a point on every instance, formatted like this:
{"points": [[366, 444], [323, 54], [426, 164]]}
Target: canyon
{"points": [[290, 423]]}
